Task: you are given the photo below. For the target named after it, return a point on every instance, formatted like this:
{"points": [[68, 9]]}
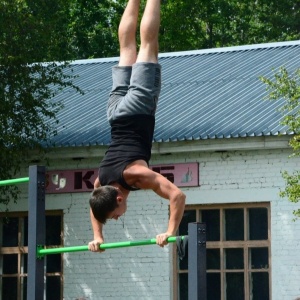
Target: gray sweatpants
{"points": [[135, 90]]}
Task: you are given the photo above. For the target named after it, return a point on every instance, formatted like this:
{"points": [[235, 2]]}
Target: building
{"points": [[216, 137]]}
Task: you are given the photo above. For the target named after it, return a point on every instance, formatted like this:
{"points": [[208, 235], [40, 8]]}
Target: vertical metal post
{"points": [[36, 232], [197, 261]]}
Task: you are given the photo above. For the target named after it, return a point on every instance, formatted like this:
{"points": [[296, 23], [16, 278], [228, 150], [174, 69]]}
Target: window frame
{"points": [[246, 244], [20, 250]]}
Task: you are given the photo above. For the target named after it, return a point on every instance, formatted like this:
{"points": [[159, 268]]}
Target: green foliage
{"points": [[287, 87], [185, 24], [280, 19], [292, 189], [202, 24], [94, 24], [31, 33]]}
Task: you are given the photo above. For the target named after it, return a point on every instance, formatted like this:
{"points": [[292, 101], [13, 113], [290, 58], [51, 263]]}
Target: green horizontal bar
{"points": [[41, 252], [14, 181]]}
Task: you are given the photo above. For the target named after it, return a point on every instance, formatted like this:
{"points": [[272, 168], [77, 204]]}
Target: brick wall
{"points": [[125, 273], [146, 272]]}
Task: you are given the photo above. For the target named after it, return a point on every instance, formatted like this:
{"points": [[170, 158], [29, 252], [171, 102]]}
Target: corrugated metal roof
{"points": [[206, 94]]}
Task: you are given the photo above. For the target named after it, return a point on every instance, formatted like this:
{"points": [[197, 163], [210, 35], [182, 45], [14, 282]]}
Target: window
{"points": [[238, 251], [13, 256]]}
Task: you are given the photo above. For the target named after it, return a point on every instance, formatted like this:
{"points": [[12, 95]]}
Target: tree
{"points": [[287, 87], [202, 24], [32, 33], [186, 24], [94, 25], [280, 20]]}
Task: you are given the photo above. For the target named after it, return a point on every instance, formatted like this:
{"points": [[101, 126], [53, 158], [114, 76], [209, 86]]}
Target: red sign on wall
{"points": [[70, 181], [183, 174], [75, 181]]}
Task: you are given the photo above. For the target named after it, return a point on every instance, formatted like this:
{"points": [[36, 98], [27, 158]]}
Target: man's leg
{"points": [[149, 32], [127, 33]]}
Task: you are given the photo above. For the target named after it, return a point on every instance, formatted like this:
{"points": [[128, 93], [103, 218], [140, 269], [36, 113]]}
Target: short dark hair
{"points": [[103, 200]]}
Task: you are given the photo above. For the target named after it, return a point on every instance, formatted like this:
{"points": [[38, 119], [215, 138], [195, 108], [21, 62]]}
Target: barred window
{"points": [[238, 251], [13, 256]]}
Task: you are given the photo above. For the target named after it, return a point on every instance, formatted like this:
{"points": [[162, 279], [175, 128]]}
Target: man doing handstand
{"points": [[131, 114]]}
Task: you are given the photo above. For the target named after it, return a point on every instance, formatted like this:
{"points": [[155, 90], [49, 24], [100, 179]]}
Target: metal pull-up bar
{"points": [[41, 251], [14, 181]]}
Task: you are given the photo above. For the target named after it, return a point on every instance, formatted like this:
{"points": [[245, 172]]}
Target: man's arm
{"points": [[97, 228], [148, 179], [98, 235]]}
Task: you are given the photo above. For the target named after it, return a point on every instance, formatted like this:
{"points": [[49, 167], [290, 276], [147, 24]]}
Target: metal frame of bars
{"points": [[36, 242]]}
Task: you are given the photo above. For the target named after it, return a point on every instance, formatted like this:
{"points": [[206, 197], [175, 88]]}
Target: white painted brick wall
{"points": [[125, 273], [145, 272]]}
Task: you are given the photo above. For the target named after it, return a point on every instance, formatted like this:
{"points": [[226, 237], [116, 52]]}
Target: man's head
{"points": [[107, 202]]}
